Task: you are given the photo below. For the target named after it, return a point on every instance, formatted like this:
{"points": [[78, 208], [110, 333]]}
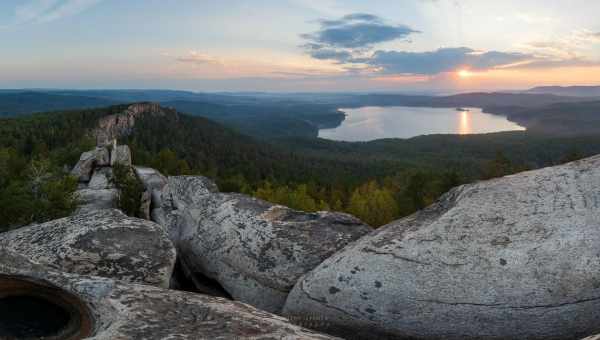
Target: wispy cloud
{"points": [[43, 11], [572, 45], [198, 58]]}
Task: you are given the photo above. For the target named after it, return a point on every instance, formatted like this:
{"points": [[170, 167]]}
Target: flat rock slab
{"points": [[101, 179], [91, 200], [256, 250], [512, 258], [113, 310], [102, 243]]}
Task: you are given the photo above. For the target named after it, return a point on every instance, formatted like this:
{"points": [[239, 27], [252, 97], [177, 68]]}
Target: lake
{"points": [[369, 123]]}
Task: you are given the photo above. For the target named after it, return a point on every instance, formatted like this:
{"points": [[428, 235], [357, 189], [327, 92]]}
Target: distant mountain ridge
{"points": [[575, 91], [275, 116], [27, 102]]}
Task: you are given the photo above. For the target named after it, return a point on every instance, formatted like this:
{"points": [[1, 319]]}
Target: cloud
{"points": [[67, 9], [572, 45], [357, 30], [43, 11], [194, 57], [441, 60], [350, 40]]}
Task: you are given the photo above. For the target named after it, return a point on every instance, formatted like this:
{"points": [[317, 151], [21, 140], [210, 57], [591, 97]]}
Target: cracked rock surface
{"points": [[102, 243], [256, 250], [114, 310], [512, 258]]}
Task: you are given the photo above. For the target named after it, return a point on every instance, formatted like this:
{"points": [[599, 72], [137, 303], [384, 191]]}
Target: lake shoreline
{"points": [[368, 123]]}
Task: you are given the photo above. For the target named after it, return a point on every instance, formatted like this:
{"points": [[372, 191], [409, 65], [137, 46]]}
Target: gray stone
{"points": [[594, 337], [254, 249], [189, 190], [511, 258], [121, 155], [153, 181], [106, 309], [116, 126], [92, 200], [145, 205], [102, 156], [101, 179], [85, 165], [103, 243]]}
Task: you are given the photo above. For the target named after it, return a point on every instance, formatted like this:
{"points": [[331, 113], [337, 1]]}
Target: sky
{"points": [[299, 45]]}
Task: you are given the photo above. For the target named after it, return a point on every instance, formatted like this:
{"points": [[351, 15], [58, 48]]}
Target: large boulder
{"points": [[254, 249], [45, 303], [88, 160], [91, 200], [153, 181], [84, 167], [512, 258], [121, 154], [102, 243]]}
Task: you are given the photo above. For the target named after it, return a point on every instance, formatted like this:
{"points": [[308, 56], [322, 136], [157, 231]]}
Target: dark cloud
{"points": [[441, 60], [328, 54], [357, 30], [350, 40]]}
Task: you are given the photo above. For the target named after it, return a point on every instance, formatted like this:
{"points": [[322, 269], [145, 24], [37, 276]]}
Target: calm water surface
{"points": [[369, 123]]}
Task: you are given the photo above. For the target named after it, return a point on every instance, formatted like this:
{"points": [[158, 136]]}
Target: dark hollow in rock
{"points": [[196, 282], [31, 310]]}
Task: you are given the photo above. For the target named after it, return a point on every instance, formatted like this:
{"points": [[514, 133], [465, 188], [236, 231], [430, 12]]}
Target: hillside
{"points": [[271, 116], [575, 91], [23, 103]]}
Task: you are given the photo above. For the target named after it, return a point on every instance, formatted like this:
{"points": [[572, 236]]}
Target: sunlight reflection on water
{"points": [[369, 123]]}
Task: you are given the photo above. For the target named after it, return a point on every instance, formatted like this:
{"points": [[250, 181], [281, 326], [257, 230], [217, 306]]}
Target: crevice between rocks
{"points": [[184, 280]]}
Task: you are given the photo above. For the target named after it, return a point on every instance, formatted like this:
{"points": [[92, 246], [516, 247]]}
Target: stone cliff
{"points": [[118, 125]]}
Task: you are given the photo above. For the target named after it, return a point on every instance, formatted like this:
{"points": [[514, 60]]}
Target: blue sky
{"points": [[299, 45]]}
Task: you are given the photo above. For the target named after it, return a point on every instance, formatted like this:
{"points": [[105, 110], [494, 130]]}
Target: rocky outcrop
{"points": [[120, 154], [101, 179], [511, 258], [75, 306], [153, 181], [96, 199], [115, 126], [102, 243], [83, 169], [88, 161], [97, 189], [254, 249]]}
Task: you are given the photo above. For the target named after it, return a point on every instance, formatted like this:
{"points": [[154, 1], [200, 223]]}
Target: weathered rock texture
{"points": [[106, 309], [101, 179], [511, 258], [83, 169], [102, 243], [92, 200], [121, 154], [254, 249], [118, 125]]}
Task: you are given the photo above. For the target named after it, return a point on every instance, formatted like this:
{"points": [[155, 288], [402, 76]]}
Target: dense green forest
{"points": [[377, 181]]}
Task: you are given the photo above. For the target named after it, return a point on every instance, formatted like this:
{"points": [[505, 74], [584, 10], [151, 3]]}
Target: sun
{"points": [[465, 73]]}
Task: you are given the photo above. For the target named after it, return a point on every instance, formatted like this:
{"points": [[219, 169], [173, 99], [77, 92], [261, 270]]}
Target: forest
{"points": [[376, 181]]}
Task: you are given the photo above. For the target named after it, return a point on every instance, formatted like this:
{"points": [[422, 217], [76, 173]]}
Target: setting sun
{"points": [[465, 73]]}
